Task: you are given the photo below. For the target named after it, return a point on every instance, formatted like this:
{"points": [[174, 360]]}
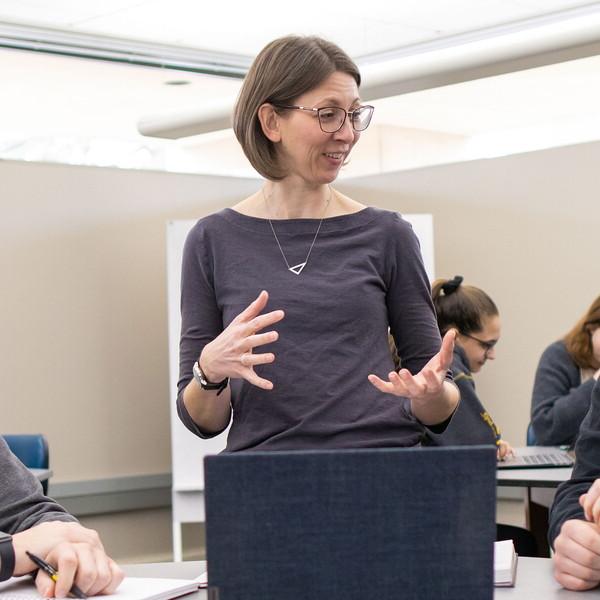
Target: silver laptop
{"points": [[535, 457]]}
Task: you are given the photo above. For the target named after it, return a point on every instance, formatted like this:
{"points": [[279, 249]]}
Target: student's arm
{"points": [[22, 501], [577, 545], [559, 401], [574, 528], [40, 525]]}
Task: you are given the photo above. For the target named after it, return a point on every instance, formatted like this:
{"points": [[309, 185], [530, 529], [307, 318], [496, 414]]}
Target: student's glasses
{"points": [[488, 346], [332, 118]]}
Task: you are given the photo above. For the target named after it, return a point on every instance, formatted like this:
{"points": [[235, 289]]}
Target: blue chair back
{"points": [[31, 450], [530, 435]]}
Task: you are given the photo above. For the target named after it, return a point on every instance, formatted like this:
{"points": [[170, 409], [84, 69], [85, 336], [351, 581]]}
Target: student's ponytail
{"points": [[461, 306]]}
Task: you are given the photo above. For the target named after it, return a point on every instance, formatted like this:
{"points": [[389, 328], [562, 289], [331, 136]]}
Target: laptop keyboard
{"points": [[548, 459]]}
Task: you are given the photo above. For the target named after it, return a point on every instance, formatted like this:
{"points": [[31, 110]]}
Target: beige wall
{"points": [[145, 536], [83, 315], [525, 228]]}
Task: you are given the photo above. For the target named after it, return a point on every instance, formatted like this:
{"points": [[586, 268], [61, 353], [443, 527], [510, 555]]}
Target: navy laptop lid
{"points": [[409, 523]]}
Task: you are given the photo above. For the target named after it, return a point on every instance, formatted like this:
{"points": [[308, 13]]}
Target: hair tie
{"points": [[452, 285]]}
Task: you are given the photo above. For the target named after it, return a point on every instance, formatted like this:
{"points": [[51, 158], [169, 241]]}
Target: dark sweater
{"points": [[22, 503], [587, 469], [560, 401], [365, 273], [471, 423]]}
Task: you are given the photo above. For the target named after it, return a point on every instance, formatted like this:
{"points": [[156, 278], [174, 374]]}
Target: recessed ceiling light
{"points": [[178, 82]]}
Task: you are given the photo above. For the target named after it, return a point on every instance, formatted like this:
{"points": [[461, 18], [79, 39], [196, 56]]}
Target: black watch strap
{"points": [[7, 557], [204, 383]]}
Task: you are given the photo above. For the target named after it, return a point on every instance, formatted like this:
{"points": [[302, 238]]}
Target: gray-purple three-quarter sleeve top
{"points": [[365, 273]]}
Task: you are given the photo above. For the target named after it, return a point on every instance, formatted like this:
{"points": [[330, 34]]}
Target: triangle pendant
{"points": [[297, 269]]}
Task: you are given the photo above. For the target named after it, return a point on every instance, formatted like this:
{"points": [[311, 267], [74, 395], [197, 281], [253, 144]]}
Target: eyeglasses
{"points": [[488, 346], [332, 118]]}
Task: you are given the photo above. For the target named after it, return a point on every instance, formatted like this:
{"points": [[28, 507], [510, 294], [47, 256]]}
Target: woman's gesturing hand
{"points": [[425, 386], [231, 354]]}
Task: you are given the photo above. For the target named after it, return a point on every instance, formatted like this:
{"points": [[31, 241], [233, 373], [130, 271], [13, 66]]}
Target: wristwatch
{"points": [[204, 383], [7, 556]]}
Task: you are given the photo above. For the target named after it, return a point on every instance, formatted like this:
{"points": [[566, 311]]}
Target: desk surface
{"points": [[534, 579], [540, 477]]}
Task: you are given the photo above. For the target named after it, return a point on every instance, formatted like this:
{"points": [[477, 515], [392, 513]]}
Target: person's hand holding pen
{"points": [[74, 551], [53, 574]]}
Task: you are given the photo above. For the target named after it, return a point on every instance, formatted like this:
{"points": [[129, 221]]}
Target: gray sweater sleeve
{"points": [[587, 469], [22, 502], [560, 401]]}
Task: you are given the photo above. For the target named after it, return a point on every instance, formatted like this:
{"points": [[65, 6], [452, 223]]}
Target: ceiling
{"points": [[87, 110], [242, 27]]}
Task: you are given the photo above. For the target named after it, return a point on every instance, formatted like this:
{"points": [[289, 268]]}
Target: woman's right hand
{"points": [[230, 354]]}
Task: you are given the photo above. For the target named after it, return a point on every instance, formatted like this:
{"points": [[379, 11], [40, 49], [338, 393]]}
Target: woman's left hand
{"points": [[425, 386]]}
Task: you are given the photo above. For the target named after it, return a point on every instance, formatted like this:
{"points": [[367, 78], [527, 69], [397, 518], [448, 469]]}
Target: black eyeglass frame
{"points": [[347, 113], [487, 346]]}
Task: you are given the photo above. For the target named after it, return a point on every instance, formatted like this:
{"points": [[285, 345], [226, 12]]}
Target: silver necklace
{"points": [[297, 269]]}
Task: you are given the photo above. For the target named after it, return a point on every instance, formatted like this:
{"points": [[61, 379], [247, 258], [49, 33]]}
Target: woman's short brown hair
{"points": [[461, 306], [284, 69], [578, 340]]}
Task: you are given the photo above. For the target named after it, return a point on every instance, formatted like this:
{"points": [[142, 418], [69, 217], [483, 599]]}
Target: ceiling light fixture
{"points": [[553, 38], [98, 47]]}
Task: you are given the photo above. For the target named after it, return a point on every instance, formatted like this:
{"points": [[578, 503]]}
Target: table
{"points": [[536, 515], [534, 579], [538, 477]]}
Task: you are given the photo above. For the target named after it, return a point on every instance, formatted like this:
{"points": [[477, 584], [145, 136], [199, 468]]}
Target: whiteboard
{"points": [[188, 450]]}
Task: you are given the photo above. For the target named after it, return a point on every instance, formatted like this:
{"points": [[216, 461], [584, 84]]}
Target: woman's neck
{"points": [[285, 201]]}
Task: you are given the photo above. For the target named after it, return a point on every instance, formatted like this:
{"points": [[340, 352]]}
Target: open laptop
{"points": [[410, 523], [533, 457]]}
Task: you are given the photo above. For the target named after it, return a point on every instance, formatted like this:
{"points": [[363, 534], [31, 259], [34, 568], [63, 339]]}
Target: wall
{"points": [[83, 309], [525, 228]]}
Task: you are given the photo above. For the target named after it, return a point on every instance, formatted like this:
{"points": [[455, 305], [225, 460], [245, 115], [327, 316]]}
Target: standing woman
{"points": [[287, 297], [475, 317], [565, 377]]}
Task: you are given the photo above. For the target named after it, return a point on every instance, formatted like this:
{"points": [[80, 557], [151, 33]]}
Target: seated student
{"points": [[564, 381], [475, 317], [41, 526], [574, 530]]}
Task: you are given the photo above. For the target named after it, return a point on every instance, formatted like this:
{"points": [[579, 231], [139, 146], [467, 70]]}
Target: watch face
{"points": [[199, 375], [204, 383]]}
